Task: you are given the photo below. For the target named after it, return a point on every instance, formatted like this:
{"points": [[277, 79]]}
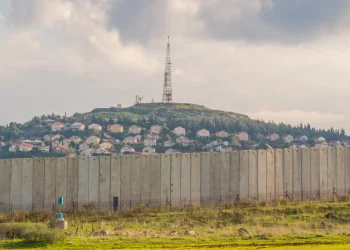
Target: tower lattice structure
{"points": [[167, 89]]}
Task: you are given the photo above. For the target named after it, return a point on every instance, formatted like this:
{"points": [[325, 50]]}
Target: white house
{"points": [[102, 151], [334, 143], [152, 136], [61, 149], [183, 141], [130, 140], [43, 148], [105, 145], [148, 150], [127, 149], [179, 131], [94, 140], [222, 134], [95, 127], [171, 151], [272, 137], [13, 148], [319, 139], [149, 142], [47, 137], [57, 137], [288, 138], [83, 146], [168, 143], [302, 138], [77, 126], [203, 133], [321, 145], [87, 152], [134, 129], [138, 138], [156, 129], [57, 126], [24, 147], [75, 139]]}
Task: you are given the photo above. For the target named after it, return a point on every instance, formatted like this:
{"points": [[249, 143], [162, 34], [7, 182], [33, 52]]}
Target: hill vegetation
{"points": [[169, 116]]}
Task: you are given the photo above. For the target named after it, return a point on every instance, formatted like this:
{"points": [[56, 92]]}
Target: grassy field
{"points": [[280, 225]]}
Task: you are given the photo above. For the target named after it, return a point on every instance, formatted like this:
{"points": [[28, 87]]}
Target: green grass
{"points": [[280, 225]]}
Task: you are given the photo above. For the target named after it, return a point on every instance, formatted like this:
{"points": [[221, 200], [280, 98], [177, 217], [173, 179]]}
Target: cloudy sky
{"points": [[282, 60]]}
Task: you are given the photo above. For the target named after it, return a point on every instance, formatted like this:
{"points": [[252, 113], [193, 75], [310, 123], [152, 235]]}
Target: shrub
{"points": [[35, 232]]}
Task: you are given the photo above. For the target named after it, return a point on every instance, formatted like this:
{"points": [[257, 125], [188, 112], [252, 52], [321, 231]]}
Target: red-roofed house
{"points": [[243, 136], [57, 126]]}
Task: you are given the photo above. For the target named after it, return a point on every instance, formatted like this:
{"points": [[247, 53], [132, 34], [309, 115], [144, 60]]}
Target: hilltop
{"points": [[222, 132], [162, 110]]}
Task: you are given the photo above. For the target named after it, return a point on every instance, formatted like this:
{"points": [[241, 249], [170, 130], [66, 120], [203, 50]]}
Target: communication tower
{"points": [[167, 90]]}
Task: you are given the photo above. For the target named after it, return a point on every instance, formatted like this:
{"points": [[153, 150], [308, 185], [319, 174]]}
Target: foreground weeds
{"points": [[280, 223]]}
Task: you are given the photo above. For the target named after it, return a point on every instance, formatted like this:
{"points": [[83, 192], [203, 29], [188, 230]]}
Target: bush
{"points": [[34, 232]]}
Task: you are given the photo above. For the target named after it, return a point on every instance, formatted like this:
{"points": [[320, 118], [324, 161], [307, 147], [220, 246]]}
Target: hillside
{"points": [[190, 117]]}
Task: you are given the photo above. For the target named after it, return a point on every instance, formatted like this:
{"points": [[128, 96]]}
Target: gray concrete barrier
{"points": [[174, 179]]}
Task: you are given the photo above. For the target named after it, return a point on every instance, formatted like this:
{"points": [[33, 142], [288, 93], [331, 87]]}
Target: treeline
{"points": [[257, 129]]}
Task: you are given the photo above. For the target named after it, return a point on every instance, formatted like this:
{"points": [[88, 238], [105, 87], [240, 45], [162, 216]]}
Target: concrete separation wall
{"points": [[16, 184], [50, 177], [39, 183], [27, 184], [174, 179]]}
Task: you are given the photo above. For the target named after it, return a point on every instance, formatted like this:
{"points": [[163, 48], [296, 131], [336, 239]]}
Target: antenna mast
{"points": [[167, 90]]}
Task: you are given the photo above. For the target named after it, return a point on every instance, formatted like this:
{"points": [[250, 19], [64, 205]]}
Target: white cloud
{"points": [[74, 49]]}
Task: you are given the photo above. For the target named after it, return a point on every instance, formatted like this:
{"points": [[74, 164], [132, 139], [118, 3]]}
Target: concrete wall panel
{"points": [[288, 170], [105, 183], [185, 179], [347, 168], [16, 184], [135, 181], [215, 185], [94, 172], [270, 174], [195, 179], [125, 191], [323, 172], [225, 176], [297, 171], [83, 185], [165, 179], [5, 176], [156, 180], [234, 175], [27, 184], [315, 172], [175, 177], [244, 174], [331, 173], [262, 187], [50, 181], [205, 178], [115, 178], [72, 183], [38, 183], [279, 186], [306, 174], [253, 175], [340, 171], [61, 179], [146, 179]]}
